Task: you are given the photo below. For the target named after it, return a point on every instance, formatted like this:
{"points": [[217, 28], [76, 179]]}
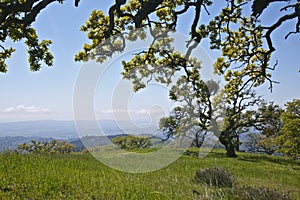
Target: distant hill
{"points": [[67, 129], [14, 133], [11, 142], [91, 141], [43, 128]]}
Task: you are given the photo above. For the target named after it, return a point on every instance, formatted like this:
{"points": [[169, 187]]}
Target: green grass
{"points": [[80, 176]]}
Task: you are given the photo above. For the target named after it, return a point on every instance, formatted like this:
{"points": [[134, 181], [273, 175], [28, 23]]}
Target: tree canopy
{"points": [[255, 41], [266, 120], [278, 129], [289, 137]]}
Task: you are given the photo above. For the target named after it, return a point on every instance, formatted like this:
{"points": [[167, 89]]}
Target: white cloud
{"points": [[8, 110], [116, 111], [143, 111], [150, 111], [25, 109], [155, 110]]}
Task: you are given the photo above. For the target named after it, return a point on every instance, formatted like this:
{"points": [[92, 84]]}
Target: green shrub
{"points": [[217, 176], [257, 193], [131, 142], [54, 146]]}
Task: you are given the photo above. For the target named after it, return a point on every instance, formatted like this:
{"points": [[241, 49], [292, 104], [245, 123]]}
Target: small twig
{"points": [[2, 47], [205, 8], [286, 7]]}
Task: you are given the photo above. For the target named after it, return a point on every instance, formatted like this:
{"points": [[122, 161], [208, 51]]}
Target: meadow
{"points": [[81, 176]]}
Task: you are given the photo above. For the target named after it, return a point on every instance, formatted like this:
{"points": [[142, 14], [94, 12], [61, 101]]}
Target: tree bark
{"points": [[230, 150], [226, 140]]}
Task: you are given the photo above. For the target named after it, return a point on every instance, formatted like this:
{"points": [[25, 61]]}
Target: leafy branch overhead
{"points": [[245, 44], [16, 18]]}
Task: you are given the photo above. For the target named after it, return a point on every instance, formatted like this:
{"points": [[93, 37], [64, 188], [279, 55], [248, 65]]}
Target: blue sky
{"points": [[47, 94]]}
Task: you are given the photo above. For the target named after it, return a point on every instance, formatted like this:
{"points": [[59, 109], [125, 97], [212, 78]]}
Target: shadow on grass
{"points": [[273, 159], [215, 153], [248, 157]]}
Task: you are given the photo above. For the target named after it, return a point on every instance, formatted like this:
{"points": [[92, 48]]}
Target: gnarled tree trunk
{"points": [[227, 141]]}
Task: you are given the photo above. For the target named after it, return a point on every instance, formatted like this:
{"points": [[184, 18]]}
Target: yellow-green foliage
{"points": [[289, 139], [132, 142], [53, 146], [16, 17]]}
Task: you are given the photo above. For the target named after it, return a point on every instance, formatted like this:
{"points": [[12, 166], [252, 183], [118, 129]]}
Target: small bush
{"points": [[54, 146], [257, 193], [191, 153], [131, 142], [217, 176]]}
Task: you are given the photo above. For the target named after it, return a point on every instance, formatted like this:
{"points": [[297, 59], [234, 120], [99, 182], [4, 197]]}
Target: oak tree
{"points": [[267, 122], [245, 44], [288, 140]]}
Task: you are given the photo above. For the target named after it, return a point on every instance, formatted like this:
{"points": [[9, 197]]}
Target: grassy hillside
{"points": [[80, 176]]}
